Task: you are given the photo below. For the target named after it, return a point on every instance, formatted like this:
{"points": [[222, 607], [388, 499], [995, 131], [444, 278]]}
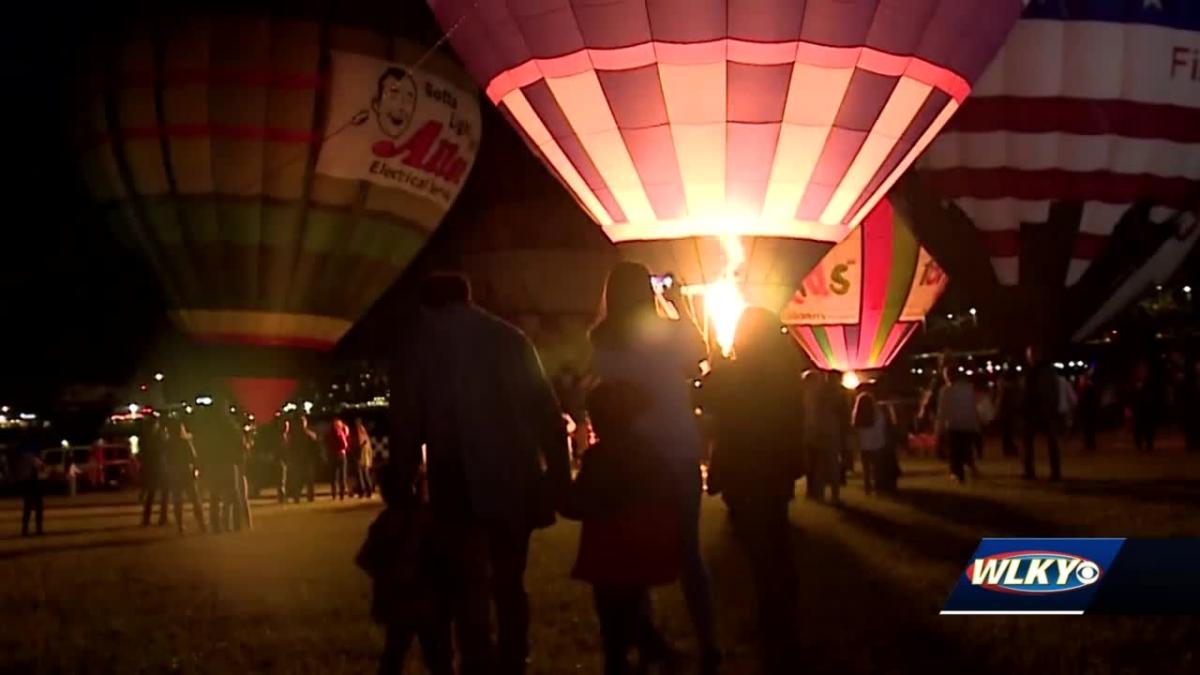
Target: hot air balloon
{"points": [[713, 134], [1077, 159], [278, 172], [867, 296]]}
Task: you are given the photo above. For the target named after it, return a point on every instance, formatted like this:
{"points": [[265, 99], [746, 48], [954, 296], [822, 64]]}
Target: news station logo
{"points": [[1032, 576], [1034, 572]]}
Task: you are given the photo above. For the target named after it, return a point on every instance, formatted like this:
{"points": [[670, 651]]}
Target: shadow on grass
{"points": [[851, 617], [987, 515], [933, 542], [78, 547]]}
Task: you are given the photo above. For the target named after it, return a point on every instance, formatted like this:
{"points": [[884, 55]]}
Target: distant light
{"points": [[308, 406], [973, 312], [1158, 288], [851, 380], [133, 408], [204, 400], [970, 373], [27, 416], [250, 416], [65, 444], [783, 330], [3, 408], [3, 419], [289, 407], [950, 317], [1058, 365], [232, 409], [698, 411], [1019, 369], [142, 387], [696, 383], [246, 428], [961, 369], [1187, 289], [158, 377], [134, 445]]}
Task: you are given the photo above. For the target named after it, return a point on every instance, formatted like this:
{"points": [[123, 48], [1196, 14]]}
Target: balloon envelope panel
{"points": [[681, 121]]}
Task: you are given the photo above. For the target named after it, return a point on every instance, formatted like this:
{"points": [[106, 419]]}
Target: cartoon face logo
{"points": [[395, 101]]}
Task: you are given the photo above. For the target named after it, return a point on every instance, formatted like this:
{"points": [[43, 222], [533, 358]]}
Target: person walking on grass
{"points": [[337, 446], [27, 471], [661, 357], [958, 421], [364, 457], [871, 428], [303, 448], [407, 570], [155, 479], [1040, 412], [755, 407], [183, 467], [469, 393], [630, 536]]}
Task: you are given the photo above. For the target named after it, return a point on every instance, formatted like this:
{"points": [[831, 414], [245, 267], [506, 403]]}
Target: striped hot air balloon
{"points": [[866, 297], [1078, 157], [279, 173], [675, 123]]}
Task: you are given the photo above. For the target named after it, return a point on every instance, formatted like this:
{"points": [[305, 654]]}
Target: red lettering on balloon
{"points": [[443, 162]]}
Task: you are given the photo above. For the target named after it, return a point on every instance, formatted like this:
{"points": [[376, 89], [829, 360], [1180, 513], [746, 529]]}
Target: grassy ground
{"points": [[100, 594]]}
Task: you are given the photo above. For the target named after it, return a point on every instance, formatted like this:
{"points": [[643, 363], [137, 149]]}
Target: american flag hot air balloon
{"points": [[677, 124], [1077, 159], [279, 172]]}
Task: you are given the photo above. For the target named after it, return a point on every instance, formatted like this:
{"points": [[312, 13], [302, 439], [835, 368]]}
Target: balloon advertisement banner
{"points": [[398, 128]]}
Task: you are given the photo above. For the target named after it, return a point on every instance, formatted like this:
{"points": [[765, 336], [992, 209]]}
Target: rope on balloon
{"points": [[360, 117]]}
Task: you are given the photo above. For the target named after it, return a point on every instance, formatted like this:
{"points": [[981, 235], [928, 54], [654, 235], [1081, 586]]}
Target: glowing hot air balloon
{"points": [[278, 172], [676, 123], [1077, 158], [866, 297]]}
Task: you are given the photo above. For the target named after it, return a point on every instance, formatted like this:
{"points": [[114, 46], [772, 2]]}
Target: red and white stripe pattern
{"points": [[1098, 113]]}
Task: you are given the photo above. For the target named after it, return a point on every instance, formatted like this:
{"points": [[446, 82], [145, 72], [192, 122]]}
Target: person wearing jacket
{"points": [[630, 535], [872, 431], [363, 458], [958, 421], [1040, 410], [469, 388], [155, 481], [182, 467], [756, 406], [661, 358], [337, 446]]}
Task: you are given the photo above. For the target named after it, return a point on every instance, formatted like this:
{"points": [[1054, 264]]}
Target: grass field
{"points": [[100, 594]]}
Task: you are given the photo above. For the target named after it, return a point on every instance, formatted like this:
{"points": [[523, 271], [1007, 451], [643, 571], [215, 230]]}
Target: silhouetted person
{"points": [[470, 388], [155, 479], [408, 586], [1089, 410], [182, 466], [303, 448], [221, 446], [756, 405], [958, 421], [1145, 406], [27, 474], [337, 446], [824, 434], [871, 428], [661, 357], [1189, 401], [1040, 412], [630, 536]]}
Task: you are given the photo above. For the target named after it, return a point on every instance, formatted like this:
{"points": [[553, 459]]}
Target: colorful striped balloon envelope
{"points": [[675, 123], [866, 297], [279, 173]]}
